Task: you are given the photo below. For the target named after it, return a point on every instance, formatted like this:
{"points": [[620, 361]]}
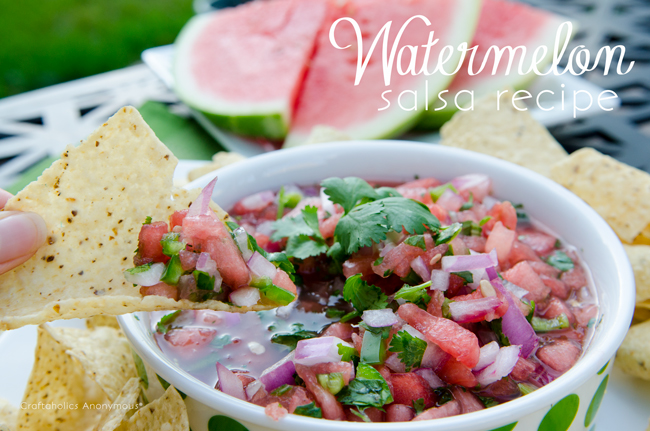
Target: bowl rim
{"points": [[611, 337]]}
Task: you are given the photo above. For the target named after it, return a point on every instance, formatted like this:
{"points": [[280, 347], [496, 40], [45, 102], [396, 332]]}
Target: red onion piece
{"points": [[488, 355], [229, 383], [241, 239], [421, 268], [514, 325], [439, 280], [413, 332], [431, 377], [469, 311], [326, 203], [245, 297], [265, 228], [395, 363], [501, 367], [385, 247], [519, 292], [450, 201], [478, 184], [258, 201], [278, 374], [489, 202], [434, 357], [379, 318], [318, 350], [252, 388], [469, 262], [201, 206], [261, 267], [491, 272]]}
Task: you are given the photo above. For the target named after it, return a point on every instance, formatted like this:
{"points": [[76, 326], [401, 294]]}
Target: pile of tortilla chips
{"points": [[86, 379], [618, 192]]}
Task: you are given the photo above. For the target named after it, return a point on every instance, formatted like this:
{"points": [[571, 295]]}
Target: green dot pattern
{"points": [[602, 370], [224, 423], [506, 427], [595, 402], [561, 415]]}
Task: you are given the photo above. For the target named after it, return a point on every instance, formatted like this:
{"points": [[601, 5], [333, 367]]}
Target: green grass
{"points": [[47, 42]]}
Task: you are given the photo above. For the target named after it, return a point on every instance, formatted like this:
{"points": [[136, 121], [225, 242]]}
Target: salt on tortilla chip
{"points": [[99, 321], [639, 256], [94, 200], [58, 378], [104, 353], [8, 416], [123, 405], [618, 192], [166, 413], [633, 356], [506, 133]]}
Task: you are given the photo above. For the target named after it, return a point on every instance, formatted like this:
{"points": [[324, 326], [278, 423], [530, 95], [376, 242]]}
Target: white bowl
{"points": [[560, 210]]}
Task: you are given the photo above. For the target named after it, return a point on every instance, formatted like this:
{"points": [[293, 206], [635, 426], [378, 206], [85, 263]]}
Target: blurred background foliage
{"points": [[51, 41]]}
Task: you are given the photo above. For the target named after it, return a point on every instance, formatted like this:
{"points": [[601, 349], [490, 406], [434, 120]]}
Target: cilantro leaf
{"points": [[447, 234], [495, 325], [414, 294], [465, 275], [310, 410], [411, 215], [368, 389], [438, 191], [409, 349], [302, 247], [348, 191], [364, 296], [469, 204], [388, 192], [418, 405], [288, 227], [305, 239], [361, 227], [560, 260], [147, 220], [470, 228], [203, 280], [163, 324], [310, 216], [291, 339], [416, 241]]}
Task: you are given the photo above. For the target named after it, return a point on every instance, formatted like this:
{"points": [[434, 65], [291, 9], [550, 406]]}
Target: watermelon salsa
{"points": [[415, 301]]}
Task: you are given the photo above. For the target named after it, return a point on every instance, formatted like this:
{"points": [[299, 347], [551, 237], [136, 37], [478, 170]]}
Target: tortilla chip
{"points": [[94, 201], [99, 321], [508, 134], [58, 378], [8, 416], [123, 405], [633, 356], [166, 413], [104, 353], [644, 237], [639, 256], [618, 192], [641, 314], [219, 160]]}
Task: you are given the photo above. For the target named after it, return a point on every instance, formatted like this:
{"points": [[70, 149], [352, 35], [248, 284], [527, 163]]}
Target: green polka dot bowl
{"points": [[570, 402]]}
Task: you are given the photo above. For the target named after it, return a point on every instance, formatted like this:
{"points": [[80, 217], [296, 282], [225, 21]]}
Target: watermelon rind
{"points": [[433, 120], [269, 119], [393, 122]]}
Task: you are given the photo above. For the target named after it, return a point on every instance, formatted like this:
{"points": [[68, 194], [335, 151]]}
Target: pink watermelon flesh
{"points": [[501, 23], [329, 97]]}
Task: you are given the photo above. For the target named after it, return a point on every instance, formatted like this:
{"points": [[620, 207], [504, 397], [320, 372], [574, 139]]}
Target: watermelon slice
{"points": [[329, 96], [242, 67], [502, 23]]}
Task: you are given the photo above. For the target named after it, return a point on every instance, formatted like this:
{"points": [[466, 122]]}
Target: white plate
{"points": [[626, 404], [160, 61]]}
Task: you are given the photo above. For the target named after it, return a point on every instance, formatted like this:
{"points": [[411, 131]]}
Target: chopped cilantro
{"points": [[522, 215], [484, 220], [438, 191], [416, 241], [348, 191], [447, 234], [545, 325], [465, 275], [469, 204], [272, 292], [560, 260], [163, 324], [173, 271], [361, 413], [557, 244], [364, 296], [368, 389], [495, 325], [378, 261], [347, 352], [414, 294], [204, 281], [291, 339], [409, 349], [147, 220], [488, 401], [138, 269], [310, 410], [171, 245], [304, 237], [443, 395], [411, 278], [418, 405], [281, 390], [470, 228]]}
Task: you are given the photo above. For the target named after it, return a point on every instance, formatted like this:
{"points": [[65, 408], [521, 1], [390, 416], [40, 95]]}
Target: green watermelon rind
{"points": [[433, 120], [268, 119], [393, 122]]}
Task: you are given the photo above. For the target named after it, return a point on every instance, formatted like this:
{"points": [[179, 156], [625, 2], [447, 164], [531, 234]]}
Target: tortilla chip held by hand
{"points": [[94, 201]]}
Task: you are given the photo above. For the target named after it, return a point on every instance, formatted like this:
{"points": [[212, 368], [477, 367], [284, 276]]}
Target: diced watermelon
{"points": [[373, 413], [190, 337], [558, 287], [450, 408], [560, 355], [149, 247], [448, 335], [283, 280], [399, 413], [543, 268], [326, 226], [358, 265], [574, 278], [501, 238], [343, 331], [542, 243], [409, 386], [455, 373], [502, 212], [160, 289], [332, 409], [521, 251], [188, 259], [475, 243], [346, 369], [177, 218], [468, 401], [398, 260], [435, 305], [456, 283], [585, 313], [438, 211], [523, 275], [554, 308], [275, 411], [523, 369], [450, 201]]}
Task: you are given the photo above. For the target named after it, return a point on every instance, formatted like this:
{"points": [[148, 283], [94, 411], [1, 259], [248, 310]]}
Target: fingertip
{"points": [[4, 197]]}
